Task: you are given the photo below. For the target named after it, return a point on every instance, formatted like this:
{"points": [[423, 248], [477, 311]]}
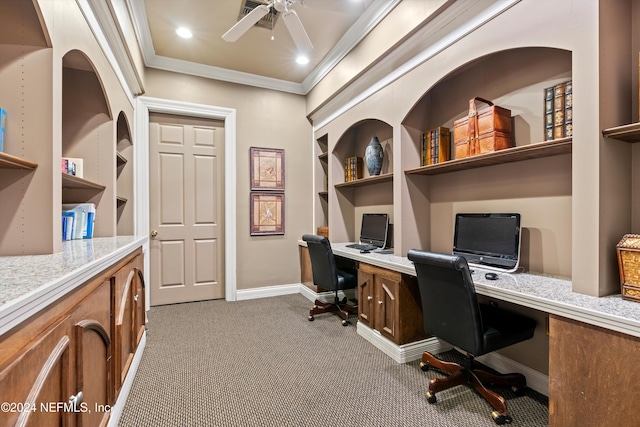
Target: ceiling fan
{"points": [[289, 16]]}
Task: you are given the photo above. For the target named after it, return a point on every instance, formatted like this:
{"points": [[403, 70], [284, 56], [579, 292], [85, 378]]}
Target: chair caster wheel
{"points": [[311, 318], [345, 322], [431, 398], [518, 391], [424, 366], [500, 419]]}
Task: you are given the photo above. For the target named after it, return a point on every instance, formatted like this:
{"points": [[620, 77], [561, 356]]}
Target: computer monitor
{"points": [[374, 229], [488, 240]]}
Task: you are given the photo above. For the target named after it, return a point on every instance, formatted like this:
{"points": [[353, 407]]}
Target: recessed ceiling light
{"points": [[184, 32], [302, 60]]}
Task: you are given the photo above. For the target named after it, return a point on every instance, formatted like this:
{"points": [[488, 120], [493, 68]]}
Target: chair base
{"points": [[477, 378], [342, 309]]}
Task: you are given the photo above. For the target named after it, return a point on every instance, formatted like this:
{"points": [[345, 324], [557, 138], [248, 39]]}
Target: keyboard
{"points": [[362, 247]]}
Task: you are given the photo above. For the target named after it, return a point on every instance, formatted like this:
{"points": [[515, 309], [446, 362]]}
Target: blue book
{"points": [[3, 123]]}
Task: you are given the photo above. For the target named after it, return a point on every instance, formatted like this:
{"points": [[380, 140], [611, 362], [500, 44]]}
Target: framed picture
{"points": [[267, 213], [267, 168]]}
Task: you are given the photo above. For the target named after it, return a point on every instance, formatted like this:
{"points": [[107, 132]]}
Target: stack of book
{"points": [[73, 166], [435, 146], [352, 168], [77, 221], [558, 111]]}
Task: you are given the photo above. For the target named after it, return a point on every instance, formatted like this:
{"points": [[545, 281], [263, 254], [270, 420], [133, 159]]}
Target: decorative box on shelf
{"points": [[628, 250], [482, 131], [323, 231]]}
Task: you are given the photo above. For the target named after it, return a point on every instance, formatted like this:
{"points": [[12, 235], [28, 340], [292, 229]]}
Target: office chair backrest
{"points": [[323, 263], [449, 303]]}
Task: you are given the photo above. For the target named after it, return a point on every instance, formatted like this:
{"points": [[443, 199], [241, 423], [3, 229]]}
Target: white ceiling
{"points": [[334, 27]]}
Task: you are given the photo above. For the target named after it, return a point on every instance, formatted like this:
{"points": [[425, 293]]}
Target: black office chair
{"points": [[326, 275], [452, 313]]}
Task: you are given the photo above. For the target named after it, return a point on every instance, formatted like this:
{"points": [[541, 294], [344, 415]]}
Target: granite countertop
{"points": [[31, 282], [549, 294]]}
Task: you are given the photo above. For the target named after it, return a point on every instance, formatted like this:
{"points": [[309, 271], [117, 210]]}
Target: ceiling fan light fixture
{"points": [[184, 32]]}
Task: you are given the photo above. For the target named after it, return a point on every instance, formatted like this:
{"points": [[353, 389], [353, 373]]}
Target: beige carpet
{"points": [[262, 363]]}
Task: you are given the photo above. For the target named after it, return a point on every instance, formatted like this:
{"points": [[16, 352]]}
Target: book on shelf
{"points": [[558, 111], [68, 219], [435, 146], [83, 215], [352, 168], [3, 125], [73, 166]]}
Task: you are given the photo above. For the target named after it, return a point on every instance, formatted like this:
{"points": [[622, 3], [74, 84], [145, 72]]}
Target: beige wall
{"points": [[402, 21], [265, 118]]}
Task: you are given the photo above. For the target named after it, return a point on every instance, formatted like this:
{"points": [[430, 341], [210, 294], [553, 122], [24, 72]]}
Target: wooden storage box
{"points": [[628, 250], [323, 231], [482, 131]]}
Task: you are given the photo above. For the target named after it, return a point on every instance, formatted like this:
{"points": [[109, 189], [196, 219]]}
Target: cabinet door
{"points": [[123, 285], [93, 357], [365, 297], [38, 381], [386, 315], [140, 320]]}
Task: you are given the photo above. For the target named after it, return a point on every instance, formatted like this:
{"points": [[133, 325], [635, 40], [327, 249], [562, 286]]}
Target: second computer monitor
{"points": [[374, 229]]}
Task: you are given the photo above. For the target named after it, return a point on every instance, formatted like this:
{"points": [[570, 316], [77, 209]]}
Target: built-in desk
{"points": [[594, 342]]}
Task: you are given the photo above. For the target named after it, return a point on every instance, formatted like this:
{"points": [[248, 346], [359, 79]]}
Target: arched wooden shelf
{"points": [[515, 154], [387, 177], [7, 161], [626, 133], [74, 182]]}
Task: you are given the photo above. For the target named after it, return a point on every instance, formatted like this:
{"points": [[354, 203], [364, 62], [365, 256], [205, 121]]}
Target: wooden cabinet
{"points": [[69, 351], [128, 317], [389, 302]]}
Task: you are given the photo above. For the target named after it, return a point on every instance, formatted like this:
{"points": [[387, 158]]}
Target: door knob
{"points": [[75, 401], [154, 233]]}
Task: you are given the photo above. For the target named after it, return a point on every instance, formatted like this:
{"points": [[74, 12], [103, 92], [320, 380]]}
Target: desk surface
{"points": [[545, 293]]}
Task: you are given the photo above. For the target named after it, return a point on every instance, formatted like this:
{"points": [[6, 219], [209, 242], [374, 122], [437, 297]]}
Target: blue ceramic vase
{"points": [[373, 156]]}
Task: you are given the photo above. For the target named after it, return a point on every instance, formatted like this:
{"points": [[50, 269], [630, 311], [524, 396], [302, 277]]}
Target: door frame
{"points": [[145, 105]]}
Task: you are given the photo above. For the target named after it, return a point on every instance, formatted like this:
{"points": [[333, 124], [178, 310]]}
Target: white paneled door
{"points": [[186, 209]]}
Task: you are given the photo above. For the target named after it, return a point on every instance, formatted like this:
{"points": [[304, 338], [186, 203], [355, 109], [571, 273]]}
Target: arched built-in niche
{"points": [[88, 134], [125, 174], [533, 179], [368, 194]]}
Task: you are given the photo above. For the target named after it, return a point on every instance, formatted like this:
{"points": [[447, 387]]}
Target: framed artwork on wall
{"points": [[267, 213], [267, 169]]}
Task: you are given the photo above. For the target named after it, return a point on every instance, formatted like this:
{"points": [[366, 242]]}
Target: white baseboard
{"points": [[402, 353], [268, 291], [116, 410], [535, 380], [409, 352]]}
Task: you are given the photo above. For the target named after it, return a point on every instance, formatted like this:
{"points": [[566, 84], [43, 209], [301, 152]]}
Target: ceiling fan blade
{"points": [[299, 35], [243, 25]]}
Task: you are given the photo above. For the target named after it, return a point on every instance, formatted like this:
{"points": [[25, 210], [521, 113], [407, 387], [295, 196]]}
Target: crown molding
{"points": [[367, 21], [101, 20], [354, 35], [452, 23]]}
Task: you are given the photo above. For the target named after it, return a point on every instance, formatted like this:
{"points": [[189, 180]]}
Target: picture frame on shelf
{"points": [[267, 213], [267, 169]]}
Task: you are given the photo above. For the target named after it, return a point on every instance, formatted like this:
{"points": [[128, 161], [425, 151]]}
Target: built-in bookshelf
{"points": [[48, 118], [377, 179]]}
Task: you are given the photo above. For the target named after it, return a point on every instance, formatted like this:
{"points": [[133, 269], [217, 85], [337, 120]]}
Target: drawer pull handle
{"points": [[369, 298], [135, 298], [379, 302], [75, 401]]}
